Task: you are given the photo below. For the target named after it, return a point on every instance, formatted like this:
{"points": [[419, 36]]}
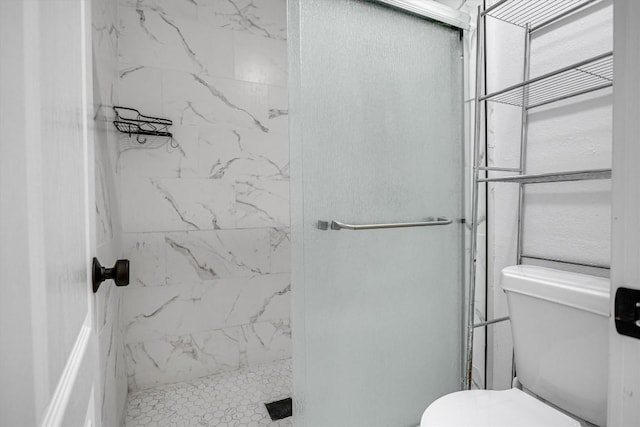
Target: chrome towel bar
{"points": [[337, 225]]}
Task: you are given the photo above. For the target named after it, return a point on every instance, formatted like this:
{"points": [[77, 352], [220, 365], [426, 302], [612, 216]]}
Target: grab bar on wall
{"points": [[337, 225]]}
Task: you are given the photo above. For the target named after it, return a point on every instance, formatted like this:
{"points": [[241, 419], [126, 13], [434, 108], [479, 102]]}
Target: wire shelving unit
{"points": [[577, 79], [586, 76]]}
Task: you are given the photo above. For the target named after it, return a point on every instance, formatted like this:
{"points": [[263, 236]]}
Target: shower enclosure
{"points": [[377, 164]]}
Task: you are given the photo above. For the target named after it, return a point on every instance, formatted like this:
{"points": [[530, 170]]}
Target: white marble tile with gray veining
{"points": [[104, 39], [279, 110], [180, 358], [219, 151], [105, 91], [106, 152], [108, 304], [149, 37], [239, 155], [157, 157], [114, 375], [176, 204], [152, 313], [265, 18], [158, 258], [186, 138], [266, 341], [147, 255], [260, 60], [107, 218], [183, 357], [140, 87], [161, 157], [195, 99], [207, 255], [104, 29], [104, 226], [111, 397], [187, 9], [262, 203], [208, 218], [280, 239]]}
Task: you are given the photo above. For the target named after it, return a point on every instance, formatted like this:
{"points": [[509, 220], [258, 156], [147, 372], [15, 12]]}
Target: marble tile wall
{"points": [[108, 229], [205, 216]]}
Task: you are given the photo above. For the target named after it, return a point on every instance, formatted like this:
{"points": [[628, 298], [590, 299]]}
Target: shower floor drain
{"points": [[279, 409]]}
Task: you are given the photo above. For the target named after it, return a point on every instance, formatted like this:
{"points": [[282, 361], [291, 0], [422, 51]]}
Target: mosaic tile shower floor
{"points": [[231, 399]]}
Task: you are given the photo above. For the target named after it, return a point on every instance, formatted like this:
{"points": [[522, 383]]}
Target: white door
{"points": [[624, 371], [48, 346]]}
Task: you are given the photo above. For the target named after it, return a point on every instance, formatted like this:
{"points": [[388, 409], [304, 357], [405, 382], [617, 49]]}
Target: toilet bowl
{"points": [[482, 408], [559, 324]]}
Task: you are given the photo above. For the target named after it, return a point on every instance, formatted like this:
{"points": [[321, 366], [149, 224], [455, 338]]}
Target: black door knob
{"points": [[119, 273]]}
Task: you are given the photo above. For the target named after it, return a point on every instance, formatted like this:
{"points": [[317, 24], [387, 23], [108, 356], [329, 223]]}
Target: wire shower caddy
{"points": [[131, 122]]}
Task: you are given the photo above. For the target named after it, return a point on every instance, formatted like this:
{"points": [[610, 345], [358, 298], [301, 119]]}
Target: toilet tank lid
{"points": [[581, 291]]}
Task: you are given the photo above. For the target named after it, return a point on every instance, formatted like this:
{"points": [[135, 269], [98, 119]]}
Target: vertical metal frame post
{"points": [[523, 141], [477, 160]]}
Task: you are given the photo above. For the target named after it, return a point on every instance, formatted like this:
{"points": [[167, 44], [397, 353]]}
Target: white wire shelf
{"points": [[577, 79], [534, 14], [583, 175]]}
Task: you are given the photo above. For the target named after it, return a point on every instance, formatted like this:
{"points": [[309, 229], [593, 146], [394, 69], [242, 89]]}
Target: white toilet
{"points": [[559, 323]]}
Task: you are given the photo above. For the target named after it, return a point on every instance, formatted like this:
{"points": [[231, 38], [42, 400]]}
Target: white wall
{"points": [[624, 352], [17, 404], [568, 221], [206, 221]]}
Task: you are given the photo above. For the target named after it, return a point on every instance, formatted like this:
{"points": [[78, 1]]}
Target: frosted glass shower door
{"points": [[376, 136]]}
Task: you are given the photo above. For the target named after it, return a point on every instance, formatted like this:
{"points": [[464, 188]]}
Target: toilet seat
{"points": [[508, 408]]}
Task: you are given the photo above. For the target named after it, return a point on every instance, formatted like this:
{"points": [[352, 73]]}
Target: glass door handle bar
{"points": [[337, 225]]}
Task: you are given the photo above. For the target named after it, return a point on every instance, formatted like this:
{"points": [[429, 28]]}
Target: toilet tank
{"points": [[559, 323]]}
